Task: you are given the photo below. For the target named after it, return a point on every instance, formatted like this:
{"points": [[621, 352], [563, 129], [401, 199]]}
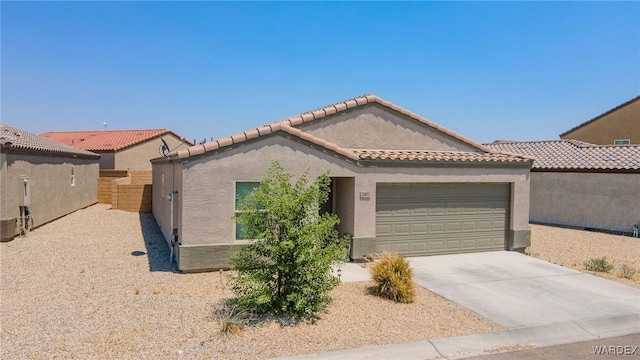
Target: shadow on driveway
{"points": [[157, 248]]}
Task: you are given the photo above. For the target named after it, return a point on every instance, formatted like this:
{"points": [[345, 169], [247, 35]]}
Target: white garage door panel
{"points": [[428, 219]]}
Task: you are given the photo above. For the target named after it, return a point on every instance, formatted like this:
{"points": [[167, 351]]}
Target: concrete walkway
{"points": [[352, 272], [540, 304]]}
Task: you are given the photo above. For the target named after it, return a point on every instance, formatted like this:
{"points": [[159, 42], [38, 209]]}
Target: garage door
{"points": [[430, 219]]}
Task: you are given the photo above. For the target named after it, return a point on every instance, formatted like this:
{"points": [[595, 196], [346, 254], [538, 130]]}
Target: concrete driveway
{"points": [[517, 291]]}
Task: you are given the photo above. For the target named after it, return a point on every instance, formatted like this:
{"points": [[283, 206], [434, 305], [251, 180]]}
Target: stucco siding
{"points": [[51, 192], [107, 160], [209, 185], [3, 185], [344, 198], [163, 176], [623, 123], [376, 127], [137, 157], [593, 200]]}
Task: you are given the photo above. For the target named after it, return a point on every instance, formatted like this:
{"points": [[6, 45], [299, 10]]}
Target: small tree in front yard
{"points": [[286, 269]]}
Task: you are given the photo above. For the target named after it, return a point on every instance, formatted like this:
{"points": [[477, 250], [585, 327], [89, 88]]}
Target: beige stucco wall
{"points": [[137, 157], [623, 123], [52, 195], [166, 180], [594, 200], [377, 127], [3, 184], [208, 185], [344, 198], [107, 160]]}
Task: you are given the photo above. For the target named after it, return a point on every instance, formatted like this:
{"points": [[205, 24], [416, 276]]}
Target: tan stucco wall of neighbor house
{"points": [[370, 126], [208, 192], [623, 123], [593, 200], [138, 157], [52, 195], [107, 160]]}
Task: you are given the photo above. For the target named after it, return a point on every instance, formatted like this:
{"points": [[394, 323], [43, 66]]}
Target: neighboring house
{"points": [[400, 183], [50, 178], [578, 184], [121, 149], [618, 126]]}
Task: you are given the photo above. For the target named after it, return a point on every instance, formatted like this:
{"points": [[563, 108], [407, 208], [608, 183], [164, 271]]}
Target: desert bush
{"points": [[626, 271], [232, 318], [394, 278], [287, 268], [598, 265]]}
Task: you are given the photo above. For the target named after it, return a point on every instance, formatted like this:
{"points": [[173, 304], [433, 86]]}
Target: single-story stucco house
{"points": [[400, 183], [121, 149], [618, 126], [49, 178], [583, 185]]}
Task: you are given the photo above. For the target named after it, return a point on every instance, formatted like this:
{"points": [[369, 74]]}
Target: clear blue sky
{"points": [[488, 70]]}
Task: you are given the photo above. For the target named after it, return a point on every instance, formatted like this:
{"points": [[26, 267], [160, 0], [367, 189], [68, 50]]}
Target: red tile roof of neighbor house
{"points": [[106, 140], [288, 125], [14, 138], [601, 115], [561, 155]]}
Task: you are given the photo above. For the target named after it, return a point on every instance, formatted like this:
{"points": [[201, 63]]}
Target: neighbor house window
{"points": [[73, 176], [622, 142], [242, 190]]}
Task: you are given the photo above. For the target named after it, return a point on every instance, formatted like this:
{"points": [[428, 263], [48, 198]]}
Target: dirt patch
{"points": [[571, 248], [98, 284]]}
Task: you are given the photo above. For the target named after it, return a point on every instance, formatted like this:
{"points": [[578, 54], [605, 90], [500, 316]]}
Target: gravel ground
{"points": [[98, 284], [571, 248]]}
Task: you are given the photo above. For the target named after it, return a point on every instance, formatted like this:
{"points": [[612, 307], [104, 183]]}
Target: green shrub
{"points": [[598, 265], [626, 271], [287, 269], [394, 278]]}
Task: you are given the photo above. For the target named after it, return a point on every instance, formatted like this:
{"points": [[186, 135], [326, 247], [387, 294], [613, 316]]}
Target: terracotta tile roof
{"points": [[601, 115], [357, 154], [106, 140], [11, 137], [574, 155], [289, 125], [439, 156]]}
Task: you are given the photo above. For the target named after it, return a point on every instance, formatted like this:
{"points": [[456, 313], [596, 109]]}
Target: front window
{"points": [[243, 189], [622, 142], [73, 176]]}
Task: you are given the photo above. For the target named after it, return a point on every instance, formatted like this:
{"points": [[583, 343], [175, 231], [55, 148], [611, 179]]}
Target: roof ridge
{"points": [[316, 114], [101, 131], [601, 115]]}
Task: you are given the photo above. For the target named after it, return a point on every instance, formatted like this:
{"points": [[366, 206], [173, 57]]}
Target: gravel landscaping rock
{"points": [[571, 248], [98, 284]]}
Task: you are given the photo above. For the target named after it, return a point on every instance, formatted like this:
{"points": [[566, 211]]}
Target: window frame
{"points": [[235, 204], [73, 175]]}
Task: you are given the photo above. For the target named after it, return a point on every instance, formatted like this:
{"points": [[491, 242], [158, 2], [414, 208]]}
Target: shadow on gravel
{"points": [[157, 248]]}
